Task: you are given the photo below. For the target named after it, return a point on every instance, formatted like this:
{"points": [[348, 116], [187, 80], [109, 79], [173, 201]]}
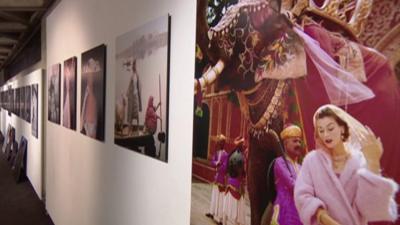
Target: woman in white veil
{"points": [[340, 182]]}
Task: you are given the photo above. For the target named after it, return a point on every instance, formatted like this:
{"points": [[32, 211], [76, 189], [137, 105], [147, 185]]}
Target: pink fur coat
{"points": [[354, 197]]}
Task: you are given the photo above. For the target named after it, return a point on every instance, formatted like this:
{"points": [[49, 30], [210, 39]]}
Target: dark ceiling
{"points": [[19, 21]]}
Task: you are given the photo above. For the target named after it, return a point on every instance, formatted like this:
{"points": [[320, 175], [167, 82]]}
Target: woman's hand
{"points": [[372, 149], [323, 218]]}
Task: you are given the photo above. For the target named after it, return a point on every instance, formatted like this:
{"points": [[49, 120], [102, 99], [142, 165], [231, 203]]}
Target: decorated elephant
{"points": [[262, 51]]}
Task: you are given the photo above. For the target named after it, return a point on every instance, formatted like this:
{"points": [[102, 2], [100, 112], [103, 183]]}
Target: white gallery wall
{"points": [[23, 128], [94, 182]]}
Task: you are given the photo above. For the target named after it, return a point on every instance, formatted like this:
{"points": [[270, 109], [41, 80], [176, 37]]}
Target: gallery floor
{"points": [[19, 204], [201, 196]]}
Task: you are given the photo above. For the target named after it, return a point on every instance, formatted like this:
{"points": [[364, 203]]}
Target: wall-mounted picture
{"points": [[5, 97], [27, 114], [268, 95], [93, 78], [35, 110], [17, 101], [141, 110], [6, 103], [53, 94], [22, 102], [69, 94], [2, 99], [6, 100], [10, 100]]}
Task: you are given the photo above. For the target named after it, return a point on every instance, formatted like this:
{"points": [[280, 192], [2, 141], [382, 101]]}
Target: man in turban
{"points": [[219, 162], [286, 169]]}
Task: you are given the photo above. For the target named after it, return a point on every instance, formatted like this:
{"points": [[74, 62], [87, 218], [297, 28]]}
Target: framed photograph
{"points": [[53, 94], [69, 94], [34, 110], [28, 103], [93, 78], [5, 95], [22, 102], [142, 74], [10, 100], [17, 101]]}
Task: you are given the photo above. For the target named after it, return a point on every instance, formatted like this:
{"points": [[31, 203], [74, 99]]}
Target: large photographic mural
{"points": [[261, 65]]}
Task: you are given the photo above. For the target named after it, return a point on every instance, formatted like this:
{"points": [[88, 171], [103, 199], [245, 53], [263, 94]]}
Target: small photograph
{"points": [[53, 85], [22, 102], [93, 77], [34, 110], [69, 95], [5, 97], [10, 100], [27, 104], [141, 109], [17, 101], [5, 100]]}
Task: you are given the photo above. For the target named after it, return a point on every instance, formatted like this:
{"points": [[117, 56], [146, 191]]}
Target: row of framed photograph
{"points": [[23, 102], [142, 71], [92, 89]]}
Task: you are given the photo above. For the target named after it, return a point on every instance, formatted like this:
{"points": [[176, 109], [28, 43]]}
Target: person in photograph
{"points": [[286, 169], [151, 116], [53, 99], [52, 105], [89, 106], [219, 162], [234, 202], [133, 95], [34, 116], [120, 113], [340, 182], [66, 106], [27, 103]]}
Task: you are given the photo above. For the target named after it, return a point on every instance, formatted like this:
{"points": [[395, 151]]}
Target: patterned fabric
{"points": [[383, 17]]}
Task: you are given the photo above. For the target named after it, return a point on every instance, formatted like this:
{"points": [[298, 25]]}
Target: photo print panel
{"points": [[69, 94], [12, 101], [35, 110], [93, 77], [28, 104], [22, 102], [17, 101], [259, 80], [142, 76], [53, 94], [2, 99]]}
